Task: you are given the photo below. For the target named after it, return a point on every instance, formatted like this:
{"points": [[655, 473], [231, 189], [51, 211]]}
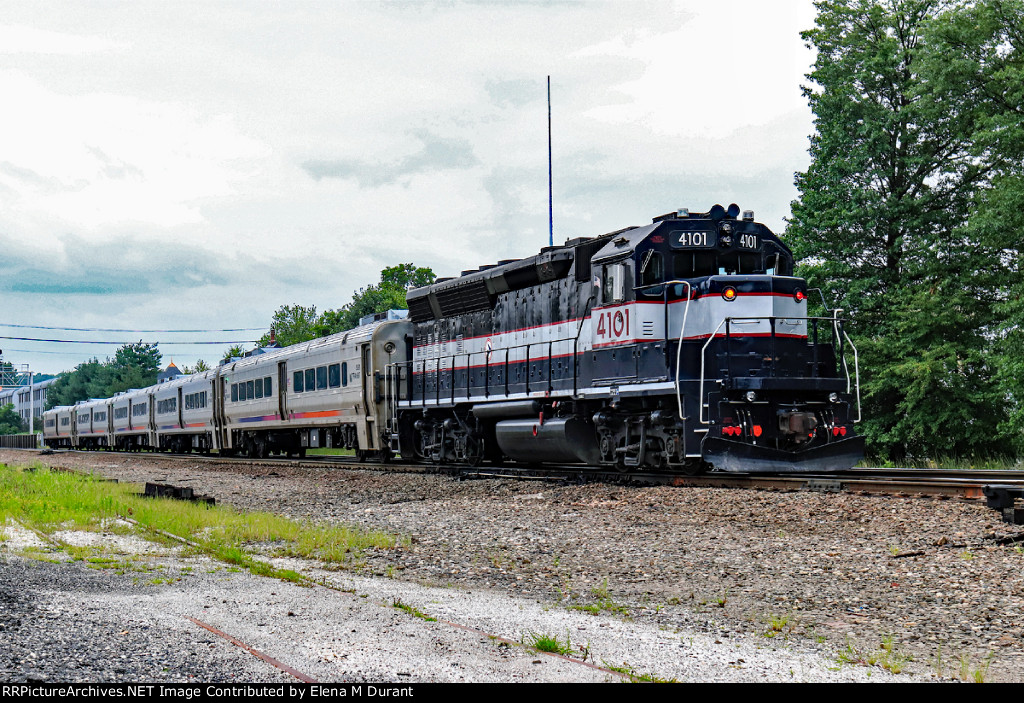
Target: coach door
{"points": [[369, 400], [282, 389], [217, 386]]}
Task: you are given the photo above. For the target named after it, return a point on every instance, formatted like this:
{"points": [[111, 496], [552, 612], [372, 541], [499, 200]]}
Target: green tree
{"points": [[292, 324], [10, 421], [199, 367], [881, 224], [235, 351], [295, 323], [980, 47], [133, 366], [388, 294]]}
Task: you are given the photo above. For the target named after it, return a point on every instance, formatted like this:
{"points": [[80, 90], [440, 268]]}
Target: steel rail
{"points": [[255, 652], [966, 484]]}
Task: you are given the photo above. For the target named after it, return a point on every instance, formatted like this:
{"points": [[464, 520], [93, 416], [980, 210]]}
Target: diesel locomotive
{"points": [[679, 346]]}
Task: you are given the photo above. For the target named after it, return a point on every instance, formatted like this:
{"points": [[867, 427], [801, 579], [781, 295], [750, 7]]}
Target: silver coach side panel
{"points": [[323, 383], [197, 397], [246, 406], [91, 423], [167, 409], [131, 411], [120, 412], [81, 415], [51, 425]]}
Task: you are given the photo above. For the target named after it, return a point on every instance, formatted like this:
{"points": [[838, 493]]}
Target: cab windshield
{"points": [[654, 267]]}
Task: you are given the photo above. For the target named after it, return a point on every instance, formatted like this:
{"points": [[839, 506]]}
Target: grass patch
{"points": [[603, 602], [37, 555], [329, 451], [634, 675], [543, 642], [887, 656], [50, 501], [411, 610], [957, 463], [778, 625], [975, 674]]}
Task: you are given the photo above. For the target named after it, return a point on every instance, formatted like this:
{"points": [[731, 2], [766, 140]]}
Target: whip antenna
{"points": [[551, 221]]}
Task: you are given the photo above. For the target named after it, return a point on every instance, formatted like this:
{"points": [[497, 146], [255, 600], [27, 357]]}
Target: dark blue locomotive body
{"points": [[677, 345]]}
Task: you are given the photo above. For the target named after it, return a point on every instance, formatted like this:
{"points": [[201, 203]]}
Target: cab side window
{"points": [[651, 271], [613, 283]]}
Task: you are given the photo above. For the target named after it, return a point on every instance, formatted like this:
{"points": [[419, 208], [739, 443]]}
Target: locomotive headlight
{"points": [[729, 293], [751, 396], [833, 397]]}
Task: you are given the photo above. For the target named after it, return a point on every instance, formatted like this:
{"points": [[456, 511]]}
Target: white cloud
{"points": [[97, 160], [189, 127], [21, 39]]}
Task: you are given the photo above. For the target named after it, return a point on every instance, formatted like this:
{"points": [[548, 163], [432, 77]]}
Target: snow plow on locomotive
{"points": [[681, 345]]}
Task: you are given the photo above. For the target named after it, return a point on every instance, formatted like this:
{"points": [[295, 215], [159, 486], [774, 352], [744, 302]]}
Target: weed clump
{"points": [[50, 501]]}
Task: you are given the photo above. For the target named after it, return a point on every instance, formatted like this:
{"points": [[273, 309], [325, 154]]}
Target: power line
{"points": [[111, 329], [41, 351], [93, 341]]}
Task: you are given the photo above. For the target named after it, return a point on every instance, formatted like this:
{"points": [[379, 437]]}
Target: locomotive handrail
{"points": [[856, 370], [771, 320], [440, 370], [682, 329], [576, 345]]}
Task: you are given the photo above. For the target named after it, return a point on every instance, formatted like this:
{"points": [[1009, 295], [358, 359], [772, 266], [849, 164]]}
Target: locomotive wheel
{"points": [[474, 450], [694, 467]]}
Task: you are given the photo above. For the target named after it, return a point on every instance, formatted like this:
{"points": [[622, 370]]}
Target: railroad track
{"points": [[938, 483]]}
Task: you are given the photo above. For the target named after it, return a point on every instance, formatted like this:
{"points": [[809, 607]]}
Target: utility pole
{"points": [[31, 406]]}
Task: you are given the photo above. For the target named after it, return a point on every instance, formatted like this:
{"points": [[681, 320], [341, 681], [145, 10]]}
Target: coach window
{"points": [[259, 388], [297, 382], [321, 377], [334, 375], [250, 392], [268, 387], [234, 392], [344, 373], [310, 379]]}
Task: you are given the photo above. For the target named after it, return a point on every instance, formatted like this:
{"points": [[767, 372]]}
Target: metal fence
{"points": [[19, 441]]}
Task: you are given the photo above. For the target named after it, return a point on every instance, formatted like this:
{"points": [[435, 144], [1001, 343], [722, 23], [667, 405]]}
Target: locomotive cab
{"points": [[760, 385]]}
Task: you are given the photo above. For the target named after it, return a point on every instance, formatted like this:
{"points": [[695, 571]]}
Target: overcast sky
{"points": [[170, 166]]}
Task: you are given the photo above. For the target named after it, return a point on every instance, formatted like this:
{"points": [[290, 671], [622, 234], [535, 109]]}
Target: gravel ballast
{"points": [[687, 584]]}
